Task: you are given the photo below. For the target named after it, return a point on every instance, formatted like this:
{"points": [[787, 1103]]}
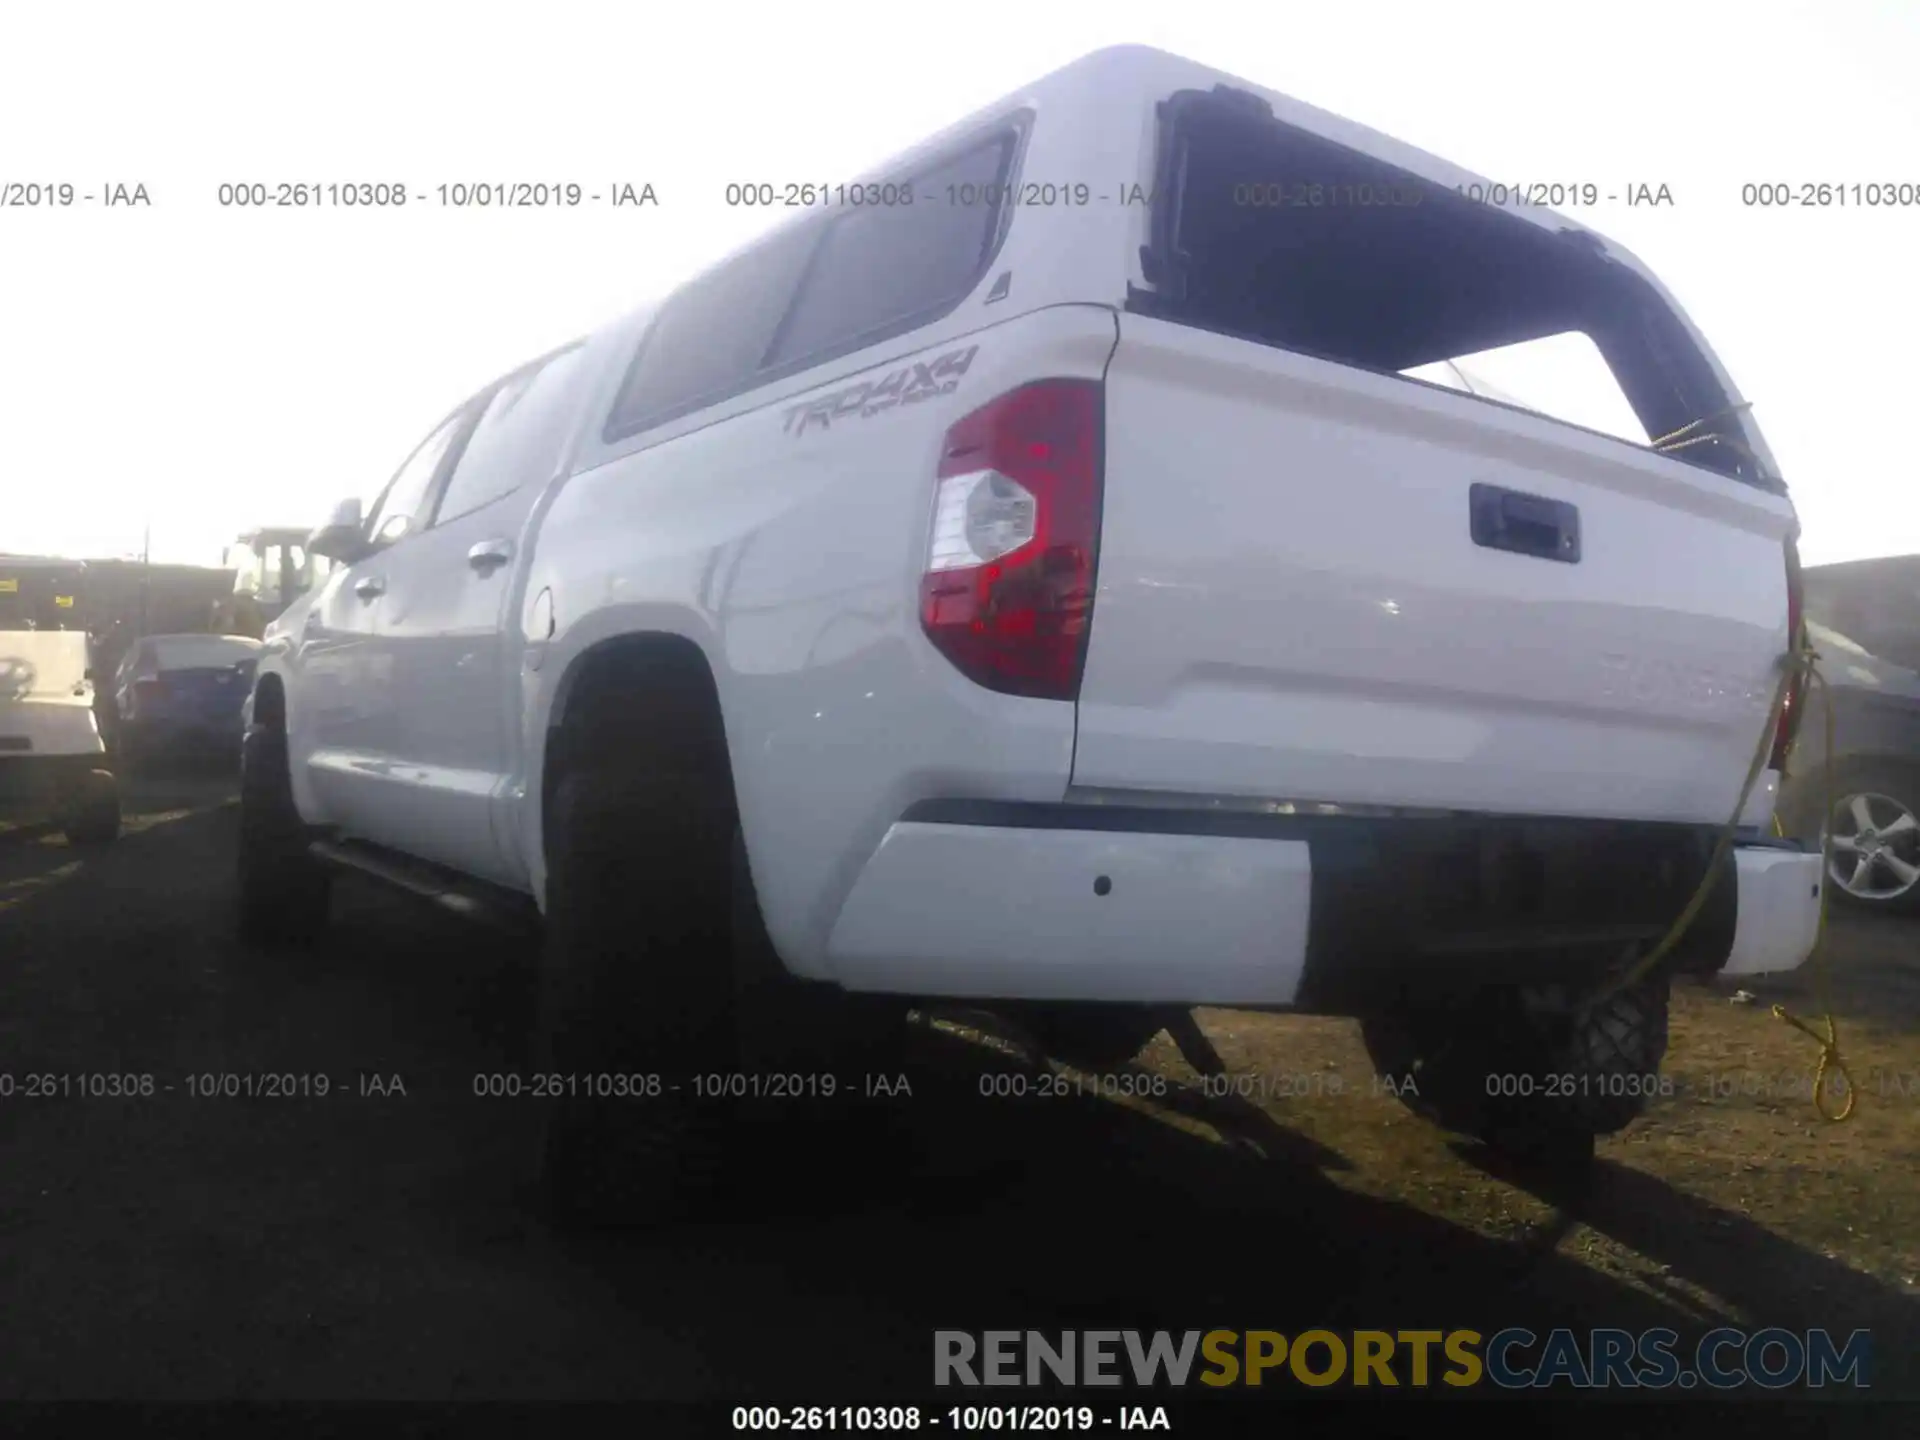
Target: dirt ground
{"points": [[1738, 1144], [371, 1245]]}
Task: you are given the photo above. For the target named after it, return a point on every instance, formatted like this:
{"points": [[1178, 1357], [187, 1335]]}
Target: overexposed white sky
{"points": [[213, 368]]}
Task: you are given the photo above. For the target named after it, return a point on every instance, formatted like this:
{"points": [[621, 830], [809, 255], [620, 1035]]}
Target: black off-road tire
{"points": [[284, 892], [90, 809], [1524, 1073], [635, 999], [814, 1049], [680, 1051]]}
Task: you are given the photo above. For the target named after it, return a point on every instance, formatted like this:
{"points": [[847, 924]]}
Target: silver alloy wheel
{"points": [[1876, 847]]}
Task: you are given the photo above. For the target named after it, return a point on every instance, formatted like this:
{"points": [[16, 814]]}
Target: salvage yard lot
{"points": [[369, 1244]]}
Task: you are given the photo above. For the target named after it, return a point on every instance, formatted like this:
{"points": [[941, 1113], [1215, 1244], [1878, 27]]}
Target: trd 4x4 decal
{"points": [[908, 385]]}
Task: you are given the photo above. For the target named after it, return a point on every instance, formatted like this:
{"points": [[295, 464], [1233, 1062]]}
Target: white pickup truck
{"points": [[1034, 579]]}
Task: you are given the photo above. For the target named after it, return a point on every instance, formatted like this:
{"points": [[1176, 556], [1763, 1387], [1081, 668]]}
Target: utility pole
{"points": [[146, 571]]}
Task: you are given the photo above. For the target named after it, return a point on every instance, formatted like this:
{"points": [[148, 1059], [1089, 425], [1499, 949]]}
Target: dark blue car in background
{"points": [[178, 697]]}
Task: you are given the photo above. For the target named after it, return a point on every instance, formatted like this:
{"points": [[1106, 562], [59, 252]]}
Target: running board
{"points": [[468, 898]]}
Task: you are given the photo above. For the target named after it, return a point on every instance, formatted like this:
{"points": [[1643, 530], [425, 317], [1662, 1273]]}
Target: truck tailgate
{"points": [[1292, 605]]}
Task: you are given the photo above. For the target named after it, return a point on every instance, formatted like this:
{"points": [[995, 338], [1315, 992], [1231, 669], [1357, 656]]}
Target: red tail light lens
{"points": [[1007, 594], [1790, 716]]}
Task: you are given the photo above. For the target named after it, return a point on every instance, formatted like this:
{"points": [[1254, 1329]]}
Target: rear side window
{"points": [[882, 268], [397, 513], [803, 296], [710, 338], [517, 437]]}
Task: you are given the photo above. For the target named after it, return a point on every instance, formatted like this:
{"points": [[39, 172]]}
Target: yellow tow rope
{"points": [[1831, 1061], [1801, 661]]}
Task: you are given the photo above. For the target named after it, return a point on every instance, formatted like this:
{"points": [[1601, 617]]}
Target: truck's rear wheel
{"points": [[284, 892], [1522, 1070], [635, 997], [817, 1043], [681, 1045]]}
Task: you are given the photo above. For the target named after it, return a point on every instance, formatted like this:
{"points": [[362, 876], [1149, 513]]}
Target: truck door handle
{"points": [[490, 555], [1502, 519], [370, 587]]}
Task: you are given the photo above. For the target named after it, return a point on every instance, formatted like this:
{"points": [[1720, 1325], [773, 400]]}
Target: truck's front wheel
{"points": [[1526, 1070], [284, 891]]}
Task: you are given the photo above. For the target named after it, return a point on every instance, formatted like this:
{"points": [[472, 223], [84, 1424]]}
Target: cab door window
{"points": [[517, 436], [405, 504]]}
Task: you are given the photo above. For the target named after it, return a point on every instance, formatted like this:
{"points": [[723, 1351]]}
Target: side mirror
{"points": [[343, 537]]}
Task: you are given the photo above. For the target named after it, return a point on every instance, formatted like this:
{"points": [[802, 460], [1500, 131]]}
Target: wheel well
{"points": [[1805, 792], [270, 703], [645, 702], [1856, 763], [1905, 768]]}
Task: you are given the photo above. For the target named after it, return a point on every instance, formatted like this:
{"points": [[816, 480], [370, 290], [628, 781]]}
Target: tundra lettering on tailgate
{"points": [[908, 385]]}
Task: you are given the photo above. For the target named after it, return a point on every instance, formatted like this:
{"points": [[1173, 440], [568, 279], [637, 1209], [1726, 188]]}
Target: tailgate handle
{"points": [[1525, 524]]}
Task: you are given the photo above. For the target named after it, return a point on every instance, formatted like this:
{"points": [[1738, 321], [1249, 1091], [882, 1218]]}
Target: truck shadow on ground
{"points": [[372, 1243]]}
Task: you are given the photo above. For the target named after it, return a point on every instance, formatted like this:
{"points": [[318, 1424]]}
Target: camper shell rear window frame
{"points": [[1675, 377]]}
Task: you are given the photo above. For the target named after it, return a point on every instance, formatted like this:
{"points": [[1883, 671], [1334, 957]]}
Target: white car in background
{"points": [[51, 753]]}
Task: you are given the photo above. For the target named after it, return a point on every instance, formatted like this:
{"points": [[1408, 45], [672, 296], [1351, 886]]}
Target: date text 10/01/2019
{"points": [[454, 195]]}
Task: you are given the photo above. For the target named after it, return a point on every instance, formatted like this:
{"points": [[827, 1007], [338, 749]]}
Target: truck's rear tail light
{"points": [[1795, 708], [1007, 593]]}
